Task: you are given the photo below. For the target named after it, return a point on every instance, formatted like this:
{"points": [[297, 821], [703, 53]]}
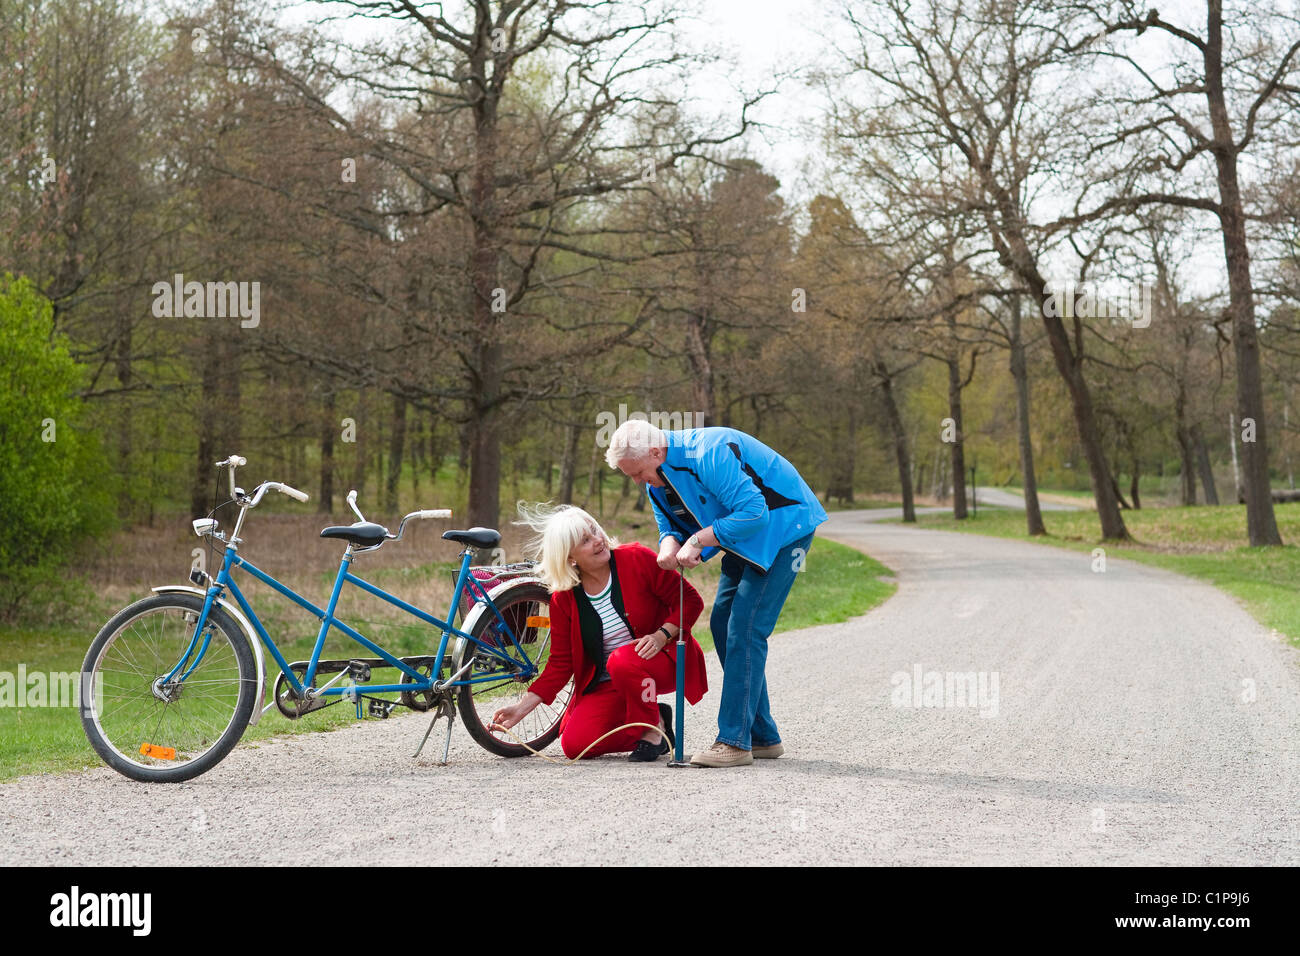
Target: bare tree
{"points": [[1220, 97], [955, 126], [519, 114]]}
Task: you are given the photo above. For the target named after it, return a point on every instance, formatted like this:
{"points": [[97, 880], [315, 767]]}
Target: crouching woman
{"points": [[614, 625]]}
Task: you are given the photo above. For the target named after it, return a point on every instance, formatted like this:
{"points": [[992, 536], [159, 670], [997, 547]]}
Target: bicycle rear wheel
{"points": [[166, 732], [526, 608]]}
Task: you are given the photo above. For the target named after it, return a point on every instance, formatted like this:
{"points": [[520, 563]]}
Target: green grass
{"points": [[1200, 542], [838, 583]]}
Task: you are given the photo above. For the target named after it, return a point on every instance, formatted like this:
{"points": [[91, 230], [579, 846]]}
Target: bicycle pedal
{"points": [[359, 670], [380, 708]]}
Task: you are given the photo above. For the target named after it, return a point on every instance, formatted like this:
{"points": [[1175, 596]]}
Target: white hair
{"points": [[558, 529], [633, 440]]}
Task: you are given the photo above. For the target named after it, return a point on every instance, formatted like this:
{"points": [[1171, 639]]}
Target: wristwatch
{"points": [[694, 542], [666, 634]]}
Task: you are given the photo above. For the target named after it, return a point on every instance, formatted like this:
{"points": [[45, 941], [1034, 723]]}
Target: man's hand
{"points": [[668, 548], [688, 555]]}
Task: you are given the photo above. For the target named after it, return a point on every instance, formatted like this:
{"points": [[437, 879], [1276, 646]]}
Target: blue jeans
{"points": [[744, 614]]}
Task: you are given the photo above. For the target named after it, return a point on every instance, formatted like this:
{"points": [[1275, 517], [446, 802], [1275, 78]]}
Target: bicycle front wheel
{"points": [[160, 731], [526, 608]]}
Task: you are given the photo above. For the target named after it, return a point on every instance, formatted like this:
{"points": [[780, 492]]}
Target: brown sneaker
{"points": [[722, 755], [768, 752]]}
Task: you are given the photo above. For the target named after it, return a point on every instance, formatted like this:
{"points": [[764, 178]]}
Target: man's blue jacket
{"points": [[755, 500]]}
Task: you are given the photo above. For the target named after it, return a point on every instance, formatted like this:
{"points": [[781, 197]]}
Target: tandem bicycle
{"points": [[173, 680]]}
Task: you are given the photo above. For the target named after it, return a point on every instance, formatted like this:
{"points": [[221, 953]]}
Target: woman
{"points": [[614, 625]]}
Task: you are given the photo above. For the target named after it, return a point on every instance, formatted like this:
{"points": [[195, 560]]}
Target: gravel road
{"points": [[1128, 717], [1013, 499]]}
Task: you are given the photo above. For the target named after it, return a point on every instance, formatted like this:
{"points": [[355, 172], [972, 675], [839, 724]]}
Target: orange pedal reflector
{"points": [[162, 753], [538, 621]]}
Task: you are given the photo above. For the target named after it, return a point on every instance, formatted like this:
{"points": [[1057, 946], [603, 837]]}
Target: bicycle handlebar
{"points": [[415, 515], [266, 486], [239, 461], [291, 492]]}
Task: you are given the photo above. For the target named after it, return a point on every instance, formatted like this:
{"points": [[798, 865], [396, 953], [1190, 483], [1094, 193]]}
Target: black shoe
{"points": [[646, 752], [666, 713]]}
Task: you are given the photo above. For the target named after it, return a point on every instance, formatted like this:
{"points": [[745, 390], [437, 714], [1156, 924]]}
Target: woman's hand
{"points": [[652, 644], [507, 717], [668, 553]]}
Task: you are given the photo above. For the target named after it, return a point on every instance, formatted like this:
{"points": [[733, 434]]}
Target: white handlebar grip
{"points": [[239, 461], [294, 493], [436, 513]]}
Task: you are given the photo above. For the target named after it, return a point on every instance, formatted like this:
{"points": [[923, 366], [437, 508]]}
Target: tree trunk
{"points": [[1015, 254], [1119, 495], [435, 452], [325, 503], [377, 449], [899, 434], [218, 417], [1261, 523], [464, 440], [362, 445], [396, 448], [485, 461], [1020, 373], [1187, 462], [957, 451], [125, 379], [416, 442], [591, 477], [936, 475], [697, 352], [548, 473], [1203, 461], [485, 279], [840, 483], [568, 463]]}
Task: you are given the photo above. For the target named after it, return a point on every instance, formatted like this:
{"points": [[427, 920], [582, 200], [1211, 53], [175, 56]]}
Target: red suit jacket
{"points": [[649, 599]]}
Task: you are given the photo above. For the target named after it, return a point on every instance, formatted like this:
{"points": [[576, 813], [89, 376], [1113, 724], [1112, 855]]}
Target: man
{"points": [[718, 489]]}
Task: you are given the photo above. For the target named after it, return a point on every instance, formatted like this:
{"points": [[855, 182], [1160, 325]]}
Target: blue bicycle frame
{"points": [[524, 668]]}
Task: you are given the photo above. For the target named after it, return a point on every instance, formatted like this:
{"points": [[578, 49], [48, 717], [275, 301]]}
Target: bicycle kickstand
{"points": [[445, 709]]}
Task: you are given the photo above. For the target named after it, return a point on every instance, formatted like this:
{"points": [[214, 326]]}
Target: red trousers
{"points": [[629, 695]]}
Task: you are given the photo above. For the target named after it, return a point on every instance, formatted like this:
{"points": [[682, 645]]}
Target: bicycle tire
{"points": [[477, 702], [151, 738]]}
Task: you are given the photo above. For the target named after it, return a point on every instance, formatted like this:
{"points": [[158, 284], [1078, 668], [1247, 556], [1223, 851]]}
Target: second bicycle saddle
{"points": [[479, 537], [364, 533]]}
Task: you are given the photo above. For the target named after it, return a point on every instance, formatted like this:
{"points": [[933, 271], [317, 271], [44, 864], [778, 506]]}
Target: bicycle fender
{"points": [[251, 635], [481, 608]]}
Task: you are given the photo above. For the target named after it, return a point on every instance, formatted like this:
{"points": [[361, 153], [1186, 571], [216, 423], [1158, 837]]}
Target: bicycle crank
{"points": [[291, 705]]}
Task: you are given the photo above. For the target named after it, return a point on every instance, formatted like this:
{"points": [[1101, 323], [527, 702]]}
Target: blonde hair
{"points": [[557, 530], [632, 441]]}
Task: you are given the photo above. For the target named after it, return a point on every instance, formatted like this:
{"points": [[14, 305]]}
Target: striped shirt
{"points": [[615, 630]]}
